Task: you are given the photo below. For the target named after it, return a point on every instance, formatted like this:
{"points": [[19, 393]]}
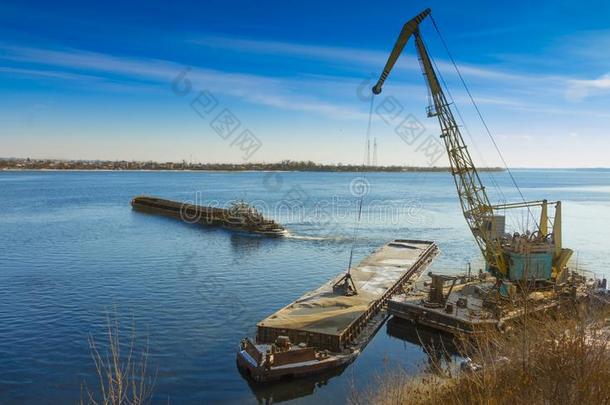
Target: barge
{"points": [[464, 305], [326, 328], [238, 216]]}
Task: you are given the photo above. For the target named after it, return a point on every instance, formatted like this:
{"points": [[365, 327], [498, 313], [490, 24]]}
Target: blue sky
{"points": [[80, 80]]}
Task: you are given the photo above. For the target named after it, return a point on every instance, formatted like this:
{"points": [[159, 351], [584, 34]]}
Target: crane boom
{"points": [[534, 255], [407, 30], [475, 204]]}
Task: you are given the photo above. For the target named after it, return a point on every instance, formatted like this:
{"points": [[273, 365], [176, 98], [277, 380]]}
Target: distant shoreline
{"points": [[284, 166], [417, 170]]}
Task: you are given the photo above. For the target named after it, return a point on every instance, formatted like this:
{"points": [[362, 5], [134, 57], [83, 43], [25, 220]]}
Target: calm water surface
{"points": [[71, 249]]}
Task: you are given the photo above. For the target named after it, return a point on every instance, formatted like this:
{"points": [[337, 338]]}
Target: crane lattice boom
{"points": [[499, 250]]}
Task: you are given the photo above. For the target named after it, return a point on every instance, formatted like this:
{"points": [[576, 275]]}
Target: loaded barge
{"points": [[238, 216], [329, 327]]}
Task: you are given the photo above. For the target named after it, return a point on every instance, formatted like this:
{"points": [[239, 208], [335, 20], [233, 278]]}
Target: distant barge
{"points": [[326, 329], [238, 216]]}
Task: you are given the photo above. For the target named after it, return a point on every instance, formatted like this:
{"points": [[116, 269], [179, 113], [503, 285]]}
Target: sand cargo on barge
{"points": [[327, 329], [238, 216]]}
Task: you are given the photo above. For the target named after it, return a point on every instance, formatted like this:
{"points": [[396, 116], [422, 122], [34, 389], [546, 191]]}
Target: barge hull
{"points": [[325, 329]]}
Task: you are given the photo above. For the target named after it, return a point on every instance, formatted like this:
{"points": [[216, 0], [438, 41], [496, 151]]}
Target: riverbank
{"points": [[550, 359]]}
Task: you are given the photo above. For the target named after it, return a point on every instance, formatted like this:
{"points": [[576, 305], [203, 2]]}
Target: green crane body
{"points": [[534, 255]]}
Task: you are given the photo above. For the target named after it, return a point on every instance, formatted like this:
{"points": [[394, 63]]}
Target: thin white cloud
{"points": [[92, 81], [540, 85], [334, 53], [581, 51], [44, 73], [257, 89], [587, 47], [310, 94], [499, 31], [581, 89], [372, 59], [145, 69]]}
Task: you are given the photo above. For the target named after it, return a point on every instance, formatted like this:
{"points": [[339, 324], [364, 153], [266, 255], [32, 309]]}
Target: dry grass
{"points": [[123, 376], [548, 360]]}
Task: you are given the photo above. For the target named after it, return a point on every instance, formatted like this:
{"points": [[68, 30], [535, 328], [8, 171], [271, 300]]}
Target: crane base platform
{"points": [[473, 304]]}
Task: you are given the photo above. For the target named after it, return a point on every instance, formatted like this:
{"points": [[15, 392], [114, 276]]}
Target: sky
{"points": [[243, 81]]}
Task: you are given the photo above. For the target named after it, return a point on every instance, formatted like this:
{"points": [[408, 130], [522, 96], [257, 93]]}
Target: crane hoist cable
{"points": [[464, 125], [362, 195], [345, 285], [476, 107], [473, 143]]}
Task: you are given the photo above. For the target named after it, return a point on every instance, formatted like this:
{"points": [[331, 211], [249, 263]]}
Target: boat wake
{"points": [[307, 237]]}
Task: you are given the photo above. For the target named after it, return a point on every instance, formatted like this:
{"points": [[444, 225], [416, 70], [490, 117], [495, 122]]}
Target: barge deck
{"points": [[325, 329]]}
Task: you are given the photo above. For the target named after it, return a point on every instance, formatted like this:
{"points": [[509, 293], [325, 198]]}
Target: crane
{"points": [[532, 255]]}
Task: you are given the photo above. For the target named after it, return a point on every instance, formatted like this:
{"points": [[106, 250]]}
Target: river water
{"points": [[72, 250]]}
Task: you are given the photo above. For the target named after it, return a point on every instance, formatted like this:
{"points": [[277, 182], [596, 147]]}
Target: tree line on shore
{"points": [[284, 165]]}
